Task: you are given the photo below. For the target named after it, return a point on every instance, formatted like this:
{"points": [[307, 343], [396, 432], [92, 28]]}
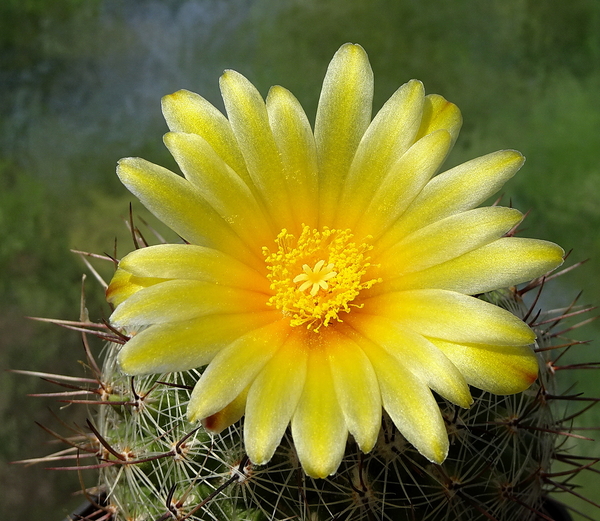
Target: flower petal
{"points": [[409, 403], [191, 262], [180, 206], [186, 111], [296, 145], [438, 113], [318, 425], [495, 369], [180, 300], [273, 398], [449, 238], [403, 183], [124, 284], [356, 387], [182, 346], [220, 186], [228, 415], [343, 115], [502, 263], [250, 123], [234, 368], [417, 354], [386, 139], [442, 314], [462, 188]]}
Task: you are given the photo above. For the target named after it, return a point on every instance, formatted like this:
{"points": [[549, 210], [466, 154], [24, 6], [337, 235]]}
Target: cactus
{"points": [[297, 322], [154, 465], [499, 465]]}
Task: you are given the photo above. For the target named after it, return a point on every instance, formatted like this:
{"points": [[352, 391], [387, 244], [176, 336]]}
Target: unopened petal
{"points": [[124, 284], [227, 416]]}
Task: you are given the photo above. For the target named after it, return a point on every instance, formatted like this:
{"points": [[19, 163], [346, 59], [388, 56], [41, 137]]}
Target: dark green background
{"points": [[80, 86]]}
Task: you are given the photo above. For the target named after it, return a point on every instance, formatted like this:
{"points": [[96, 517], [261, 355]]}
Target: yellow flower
{"points": [[329, 275]]}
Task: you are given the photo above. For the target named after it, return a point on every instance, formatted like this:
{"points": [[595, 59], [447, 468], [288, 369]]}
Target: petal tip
{"points": [[439, 452], [128, 365]]}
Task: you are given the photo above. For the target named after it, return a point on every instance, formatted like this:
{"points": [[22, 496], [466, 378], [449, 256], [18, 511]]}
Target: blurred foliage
{"points": [[39, 277], [32, 252], [80, 82], [25, 24]]}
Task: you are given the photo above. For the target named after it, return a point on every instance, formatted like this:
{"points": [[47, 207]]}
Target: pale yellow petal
{"points": [[318, 426], [248, 117], [495, 369], [227, 416], [191, 262], [462, 188], [448, 238], [505, 262], [451, 316], [186, 111], [403, 183], [296, 145], [180, 206], [409, 402], [124, 284], [179, 300], [343, 115], [220, 186], [387, 138], [438, 113], [417, 354], [273, 398], [182, 346], [356, 387], [234, 368]]}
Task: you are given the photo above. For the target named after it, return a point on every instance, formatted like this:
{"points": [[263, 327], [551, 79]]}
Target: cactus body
{"points": [[162, 467]]}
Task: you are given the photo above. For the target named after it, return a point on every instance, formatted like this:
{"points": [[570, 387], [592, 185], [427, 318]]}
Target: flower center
{"points": [[317, 276]]}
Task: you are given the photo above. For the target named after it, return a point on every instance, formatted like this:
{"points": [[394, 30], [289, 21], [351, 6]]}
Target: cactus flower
{"points": [[326, 275]]}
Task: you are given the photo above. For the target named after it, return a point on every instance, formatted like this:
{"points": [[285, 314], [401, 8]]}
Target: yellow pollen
{"points": [[317, 295]]}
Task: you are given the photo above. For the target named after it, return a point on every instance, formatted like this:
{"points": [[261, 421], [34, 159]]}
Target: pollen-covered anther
{"points": [[316, 295]]}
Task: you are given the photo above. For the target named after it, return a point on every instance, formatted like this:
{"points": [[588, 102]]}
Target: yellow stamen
{"points": [[335, 279]]}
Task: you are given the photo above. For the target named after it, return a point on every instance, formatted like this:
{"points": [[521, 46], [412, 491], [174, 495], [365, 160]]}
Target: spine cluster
{"points": [[154, 465]]}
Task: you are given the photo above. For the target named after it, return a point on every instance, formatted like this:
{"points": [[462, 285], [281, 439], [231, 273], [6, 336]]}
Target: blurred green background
{"points": [[80, 87]]}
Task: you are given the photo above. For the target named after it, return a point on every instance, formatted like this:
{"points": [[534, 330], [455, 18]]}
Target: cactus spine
{"points": [[154, 465]]}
